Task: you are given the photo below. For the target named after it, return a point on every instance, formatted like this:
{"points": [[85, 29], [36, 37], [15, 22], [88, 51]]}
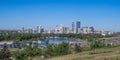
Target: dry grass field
{"points": [[112, 53]]}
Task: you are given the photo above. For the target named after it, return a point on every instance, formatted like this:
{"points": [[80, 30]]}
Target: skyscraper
{"points": [[61, 29], [73, 26], [92, 29], [39, 29], [23, 29], [77, 26]]}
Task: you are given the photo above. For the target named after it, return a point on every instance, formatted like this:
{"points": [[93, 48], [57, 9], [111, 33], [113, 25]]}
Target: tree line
{"points": [[25, 36], [50, 51], [20, 36]]}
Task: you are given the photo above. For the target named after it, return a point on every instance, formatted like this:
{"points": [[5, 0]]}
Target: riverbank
{"points": [[6, 42], [71, 41], [111, 38]]}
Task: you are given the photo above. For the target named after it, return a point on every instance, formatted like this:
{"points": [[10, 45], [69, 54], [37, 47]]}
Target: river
{"points": [[43, 43]]}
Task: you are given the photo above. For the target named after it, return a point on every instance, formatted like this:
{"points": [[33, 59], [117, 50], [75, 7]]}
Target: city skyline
{"points": [[101, 14]]}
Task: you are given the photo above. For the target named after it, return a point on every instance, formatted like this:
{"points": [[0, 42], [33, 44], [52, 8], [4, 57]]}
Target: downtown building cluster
{"points": [[61, 29]]}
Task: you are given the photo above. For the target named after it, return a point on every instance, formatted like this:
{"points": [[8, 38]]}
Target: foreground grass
{"points": [[111, 53]]}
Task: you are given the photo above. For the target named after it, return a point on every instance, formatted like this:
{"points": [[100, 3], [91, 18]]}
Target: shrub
{"points": [[95, 44], [5, 54], [78, 48]]}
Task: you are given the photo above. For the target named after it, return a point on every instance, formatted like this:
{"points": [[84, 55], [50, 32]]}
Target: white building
{"points": [[86, 30], [39, 29], [61, 30]]}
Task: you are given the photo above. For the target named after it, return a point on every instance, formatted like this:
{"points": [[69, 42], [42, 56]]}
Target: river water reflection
{"points": [[57, 41], [42, 43]]}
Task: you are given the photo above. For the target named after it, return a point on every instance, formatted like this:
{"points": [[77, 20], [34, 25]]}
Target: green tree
{"points": [[78, 48], [62, 49], [49, 50], [5, 54], [95, 44], [27, 52]]}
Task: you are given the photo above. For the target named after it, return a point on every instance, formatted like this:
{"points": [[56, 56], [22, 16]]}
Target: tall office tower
{"points": [[30, 30], [23, 29], [92, 29], [66, 30], [56, 29], [73, 26], [61, 29], [77, 26], [39, 28], [42, 30]]}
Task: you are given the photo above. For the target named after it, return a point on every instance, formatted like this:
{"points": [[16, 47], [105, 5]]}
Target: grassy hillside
{"points": [[110, 53]]}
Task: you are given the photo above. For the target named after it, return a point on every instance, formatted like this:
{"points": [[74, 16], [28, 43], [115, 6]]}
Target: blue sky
{"points": [[102, 14]]}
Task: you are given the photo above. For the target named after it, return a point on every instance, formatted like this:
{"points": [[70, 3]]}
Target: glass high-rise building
{"points": [[23, 29], [78, 26], [73, 26], [39, 29]]}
